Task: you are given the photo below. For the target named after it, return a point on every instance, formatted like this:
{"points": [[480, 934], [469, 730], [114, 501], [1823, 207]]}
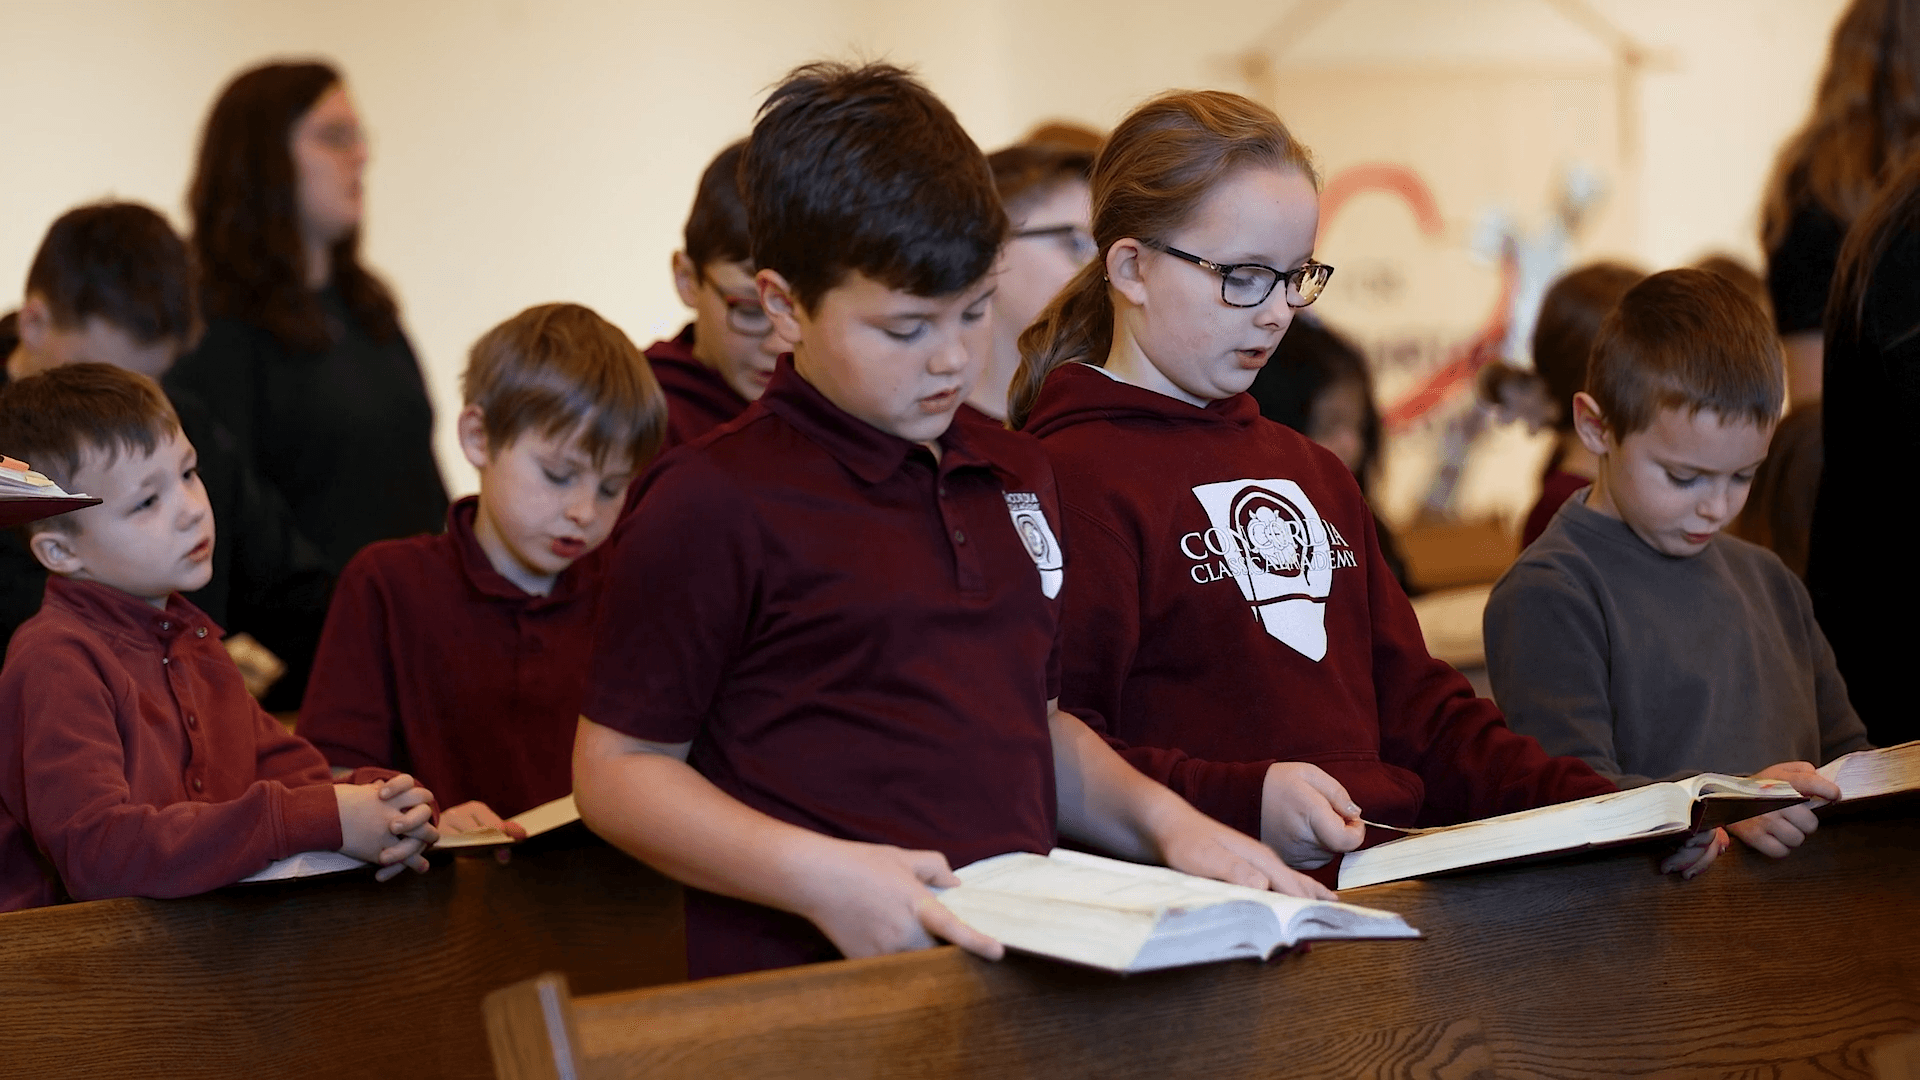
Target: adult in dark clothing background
{"points": [[110, 284], [1865, 118], [304, 360], [1863, 591]]}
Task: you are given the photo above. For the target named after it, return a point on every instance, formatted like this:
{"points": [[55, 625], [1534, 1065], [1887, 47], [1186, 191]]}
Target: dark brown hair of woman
{"points": [[1152, 175], [1866, 117], [1895, 212], [246, 221]]}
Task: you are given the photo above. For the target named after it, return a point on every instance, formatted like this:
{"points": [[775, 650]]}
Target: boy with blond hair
{"points": [[132, 760], [1632, 633], [465, 654]]}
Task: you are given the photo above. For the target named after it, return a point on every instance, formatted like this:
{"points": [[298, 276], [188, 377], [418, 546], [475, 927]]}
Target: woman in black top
{"points": [[304, 359], [1866, 116], [1864, 590]]}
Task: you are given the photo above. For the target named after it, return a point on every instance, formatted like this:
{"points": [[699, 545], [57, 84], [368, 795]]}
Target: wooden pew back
{"points": [[1592, 967], [330, 977]]}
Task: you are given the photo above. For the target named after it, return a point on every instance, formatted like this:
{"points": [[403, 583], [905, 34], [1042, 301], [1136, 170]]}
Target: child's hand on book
{"points": [[474, 814], [1780, 832], [1697, 854], [874, 899], [1307, 816], [388, 823], [1198, 845]]}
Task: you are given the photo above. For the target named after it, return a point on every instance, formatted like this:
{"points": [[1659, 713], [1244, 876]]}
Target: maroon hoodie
{"points": [[1228, 607], [698, 399]]}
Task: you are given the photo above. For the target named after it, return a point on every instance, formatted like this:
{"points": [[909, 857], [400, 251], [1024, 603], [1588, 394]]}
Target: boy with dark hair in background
{"points": [[132, 760], [720, 361], [110, 284], [1631, 634], [829, 662]]}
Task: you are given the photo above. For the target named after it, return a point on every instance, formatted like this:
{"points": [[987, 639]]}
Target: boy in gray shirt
{"points": [[1632, 635]]}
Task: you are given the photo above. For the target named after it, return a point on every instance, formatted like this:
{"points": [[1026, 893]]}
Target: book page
{"points": [[1866, 773], [306, 864], [543, 818], [1137, 901]]}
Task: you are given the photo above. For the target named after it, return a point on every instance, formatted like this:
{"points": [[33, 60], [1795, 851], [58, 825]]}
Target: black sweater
{"points": [[346, 435]]}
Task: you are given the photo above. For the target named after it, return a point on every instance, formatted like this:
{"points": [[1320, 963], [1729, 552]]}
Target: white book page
{"points": [[543, 818], [306, 864], [1101, 911], [1865, 773]]}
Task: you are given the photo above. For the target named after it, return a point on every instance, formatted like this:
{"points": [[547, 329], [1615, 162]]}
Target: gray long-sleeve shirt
{"points": [[1651, 667]]}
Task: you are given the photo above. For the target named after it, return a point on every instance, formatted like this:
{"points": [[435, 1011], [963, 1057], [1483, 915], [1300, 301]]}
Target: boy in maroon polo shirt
{"points": [[132, 760], [722, 360], [827, 668], [465, 654]]}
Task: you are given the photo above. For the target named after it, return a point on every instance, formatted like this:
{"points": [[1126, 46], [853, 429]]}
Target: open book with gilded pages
{"points": [[1124, 917], [1672, 808]]}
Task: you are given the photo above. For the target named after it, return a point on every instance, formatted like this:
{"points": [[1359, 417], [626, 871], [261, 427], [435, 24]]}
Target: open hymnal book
{"points": [[26, 495], [1124, 917], [1672, 808], [543, 818], [1866, 773]]}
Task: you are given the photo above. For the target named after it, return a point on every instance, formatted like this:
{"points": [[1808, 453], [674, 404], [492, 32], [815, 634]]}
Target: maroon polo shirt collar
{"points": [[479, 570], [128, 617], [866, 451]]}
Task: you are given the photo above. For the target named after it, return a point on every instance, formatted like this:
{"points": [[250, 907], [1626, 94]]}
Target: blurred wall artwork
{"points": [[1470, 153]]}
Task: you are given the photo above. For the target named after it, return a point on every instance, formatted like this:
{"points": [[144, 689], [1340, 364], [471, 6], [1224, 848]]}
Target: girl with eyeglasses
{"points": [[1229, 619]]}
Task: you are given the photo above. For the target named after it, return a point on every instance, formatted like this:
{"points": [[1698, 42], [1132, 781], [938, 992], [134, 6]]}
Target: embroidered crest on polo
{"points": [[1267, 536], [1030, 521]]}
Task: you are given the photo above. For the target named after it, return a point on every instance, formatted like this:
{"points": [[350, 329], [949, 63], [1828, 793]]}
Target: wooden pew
{"points": [[1592, 967], [329, 977]]}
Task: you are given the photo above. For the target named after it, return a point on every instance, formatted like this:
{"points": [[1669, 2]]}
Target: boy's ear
{"points": [[1590, 424], [686, 279], [472, 429], [1123, 270], [776, 298], [54, 550], [36, 322]]}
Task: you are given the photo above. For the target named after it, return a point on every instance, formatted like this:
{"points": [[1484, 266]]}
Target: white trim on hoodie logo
{"points": [[1030, 522], [1271, 540]]}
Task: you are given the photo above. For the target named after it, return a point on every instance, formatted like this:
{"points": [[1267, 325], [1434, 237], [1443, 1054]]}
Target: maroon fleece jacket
{"points": [[1227, 607]]}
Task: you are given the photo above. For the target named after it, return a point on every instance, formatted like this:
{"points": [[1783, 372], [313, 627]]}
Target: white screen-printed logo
{"points": [[1276, 547], [1037, 536]]}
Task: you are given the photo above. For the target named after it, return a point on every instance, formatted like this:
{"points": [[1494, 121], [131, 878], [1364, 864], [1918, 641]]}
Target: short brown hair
{"points": [[1569, 321], [51, 420], [1026, 173], [1686, 339], [557, 368], [717, 226], [121, 263]]}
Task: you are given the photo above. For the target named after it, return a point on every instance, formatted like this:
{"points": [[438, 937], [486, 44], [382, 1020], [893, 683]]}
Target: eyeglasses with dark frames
{"points": [[1249, 284], [1078, 241], [747, 317]]}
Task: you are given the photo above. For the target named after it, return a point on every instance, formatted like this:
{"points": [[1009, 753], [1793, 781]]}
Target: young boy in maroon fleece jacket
{"points": [[1229, 614], [464, 655], [827, 667], [722, 360], [132, 760]]}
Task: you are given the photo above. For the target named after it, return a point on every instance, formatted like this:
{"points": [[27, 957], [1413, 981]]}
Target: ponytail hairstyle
{"points": [[1150, 178]]}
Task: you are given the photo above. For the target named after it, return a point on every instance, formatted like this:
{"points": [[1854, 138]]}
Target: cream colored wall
{"points": [[526, 152]]}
